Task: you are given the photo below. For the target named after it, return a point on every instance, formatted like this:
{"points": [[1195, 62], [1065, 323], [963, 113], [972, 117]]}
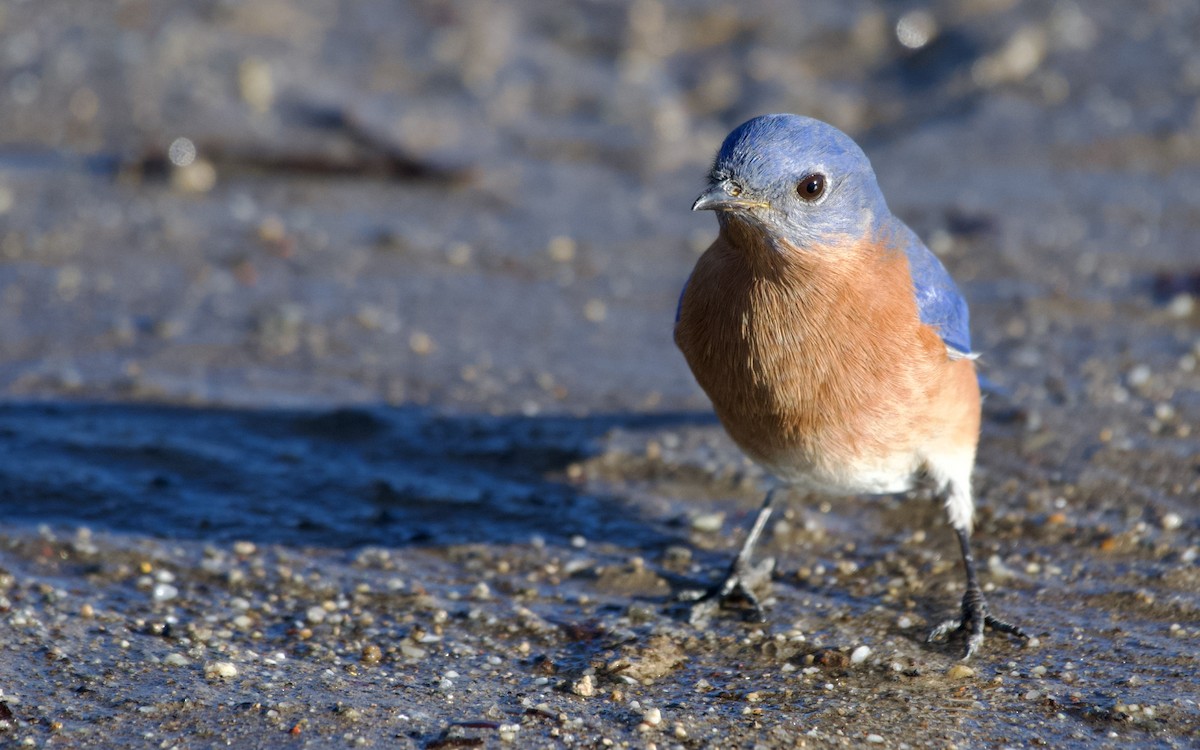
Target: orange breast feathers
{"points": [[819, 361]]}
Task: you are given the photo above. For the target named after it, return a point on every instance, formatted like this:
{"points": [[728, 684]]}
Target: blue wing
{"points": [[939, 302]]}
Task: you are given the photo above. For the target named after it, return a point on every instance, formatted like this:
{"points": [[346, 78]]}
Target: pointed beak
{"points": [[713, 198], [717, 198]]}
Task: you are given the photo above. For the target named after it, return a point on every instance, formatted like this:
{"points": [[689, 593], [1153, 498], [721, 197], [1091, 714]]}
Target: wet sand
{"points": [[363, 427]]}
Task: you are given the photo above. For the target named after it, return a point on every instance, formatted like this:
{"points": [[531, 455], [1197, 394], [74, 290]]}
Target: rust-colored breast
{"points": [[817, 363]]}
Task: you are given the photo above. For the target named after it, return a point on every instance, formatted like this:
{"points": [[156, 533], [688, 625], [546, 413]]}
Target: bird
{"points": [[834, 346]]}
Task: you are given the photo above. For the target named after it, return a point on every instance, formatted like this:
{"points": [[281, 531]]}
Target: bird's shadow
{"points": [[338, 478]]}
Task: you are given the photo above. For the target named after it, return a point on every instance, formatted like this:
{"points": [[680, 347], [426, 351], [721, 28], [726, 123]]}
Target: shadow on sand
{"points": [[335, 478]]}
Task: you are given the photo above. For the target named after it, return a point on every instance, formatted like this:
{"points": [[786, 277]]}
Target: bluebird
{"points": [[833, 344]]}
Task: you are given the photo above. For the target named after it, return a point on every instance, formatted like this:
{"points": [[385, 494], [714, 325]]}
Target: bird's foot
{"points": [[974, 618], [739, 584]]}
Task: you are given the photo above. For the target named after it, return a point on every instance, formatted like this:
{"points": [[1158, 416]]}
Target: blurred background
{"points": [[484, 204], [336, 370]]}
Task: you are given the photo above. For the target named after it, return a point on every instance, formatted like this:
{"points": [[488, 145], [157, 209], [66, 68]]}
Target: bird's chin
{"points": [[756, 216]]}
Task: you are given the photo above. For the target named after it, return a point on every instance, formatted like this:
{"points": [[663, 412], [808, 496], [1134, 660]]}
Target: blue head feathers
{"points": [[806, 182], [801, 177]]}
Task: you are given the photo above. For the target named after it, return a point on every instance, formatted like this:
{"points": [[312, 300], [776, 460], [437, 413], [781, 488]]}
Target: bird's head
{"points": [[794, 178]]}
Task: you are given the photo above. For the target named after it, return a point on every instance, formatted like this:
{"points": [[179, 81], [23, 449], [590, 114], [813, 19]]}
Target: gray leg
{"points": [[742, 577], [974, 607]]}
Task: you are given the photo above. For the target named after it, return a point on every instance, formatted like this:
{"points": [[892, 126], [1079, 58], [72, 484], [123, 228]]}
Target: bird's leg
{"points": [[742, 577], [974, 607]]}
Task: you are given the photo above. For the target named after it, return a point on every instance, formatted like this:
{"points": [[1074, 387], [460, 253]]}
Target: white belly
{"points": [[894, 474]]}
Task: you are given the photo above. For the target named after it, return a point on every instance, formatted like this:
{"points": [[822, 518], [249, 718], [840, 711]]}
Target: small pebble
{"points": [[200, 176], [256, 84], [371, 654], [708, 523], [860, 654], [1171, 521], [272, 230], [1139, 376], [420, 343], [960, 672], [176, 660], [916, 28], [1182, 305], [220, 670], [595, 310], [652, 716], [412, 651], [561, 249], [244, 549], [584, 687], [181, 152], [458, 254]]}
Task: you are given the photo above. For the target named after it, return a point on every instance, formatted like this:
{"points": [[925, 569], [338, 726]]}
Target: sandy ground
{"points": [[340, 406]]}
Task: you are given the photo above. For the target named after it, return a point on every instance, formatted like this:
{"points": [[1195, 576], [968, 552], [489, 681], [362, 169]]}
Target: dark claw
{"points": [[743, 577], [973, 620], [738, 585]]}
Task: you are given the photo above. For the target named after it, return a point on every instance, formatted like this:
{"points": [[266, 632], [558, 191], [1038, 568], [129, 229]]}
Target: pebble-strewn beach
{"points": [[340, 406]]}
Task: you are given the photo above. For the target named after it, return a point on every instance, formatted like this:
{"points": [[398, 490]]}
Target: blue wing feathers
{"points": [[939, 302]]}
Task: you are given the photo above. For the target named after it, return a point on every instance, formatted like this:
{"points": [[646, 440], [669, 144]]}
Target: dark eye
{"points": [[733, 189], [811, 187]]}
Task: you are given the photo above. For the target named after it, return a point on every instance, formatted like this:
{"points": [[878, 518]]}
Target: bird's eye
{"points": [[733, 189], [811, 187]]}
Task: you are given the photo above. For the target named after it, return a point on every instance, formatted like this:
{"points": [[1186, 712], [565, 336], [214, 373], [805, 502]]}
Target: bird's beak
{"points": [[717, 198]]}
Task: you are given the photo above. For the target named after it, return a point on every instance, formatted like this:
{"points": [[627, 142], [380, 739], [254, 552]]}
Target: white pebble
{"points": [[1182, 305], [1139, 375], [315, 614], [244, 549], [860, 654], [1171, 521], [176, 660], [708, 522], [164, 592], [220, 670]]}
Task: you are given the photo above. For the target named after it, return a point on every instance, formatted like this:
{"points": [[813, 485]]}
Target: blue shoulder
{"points": [[939, 302], [679, 304]]}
